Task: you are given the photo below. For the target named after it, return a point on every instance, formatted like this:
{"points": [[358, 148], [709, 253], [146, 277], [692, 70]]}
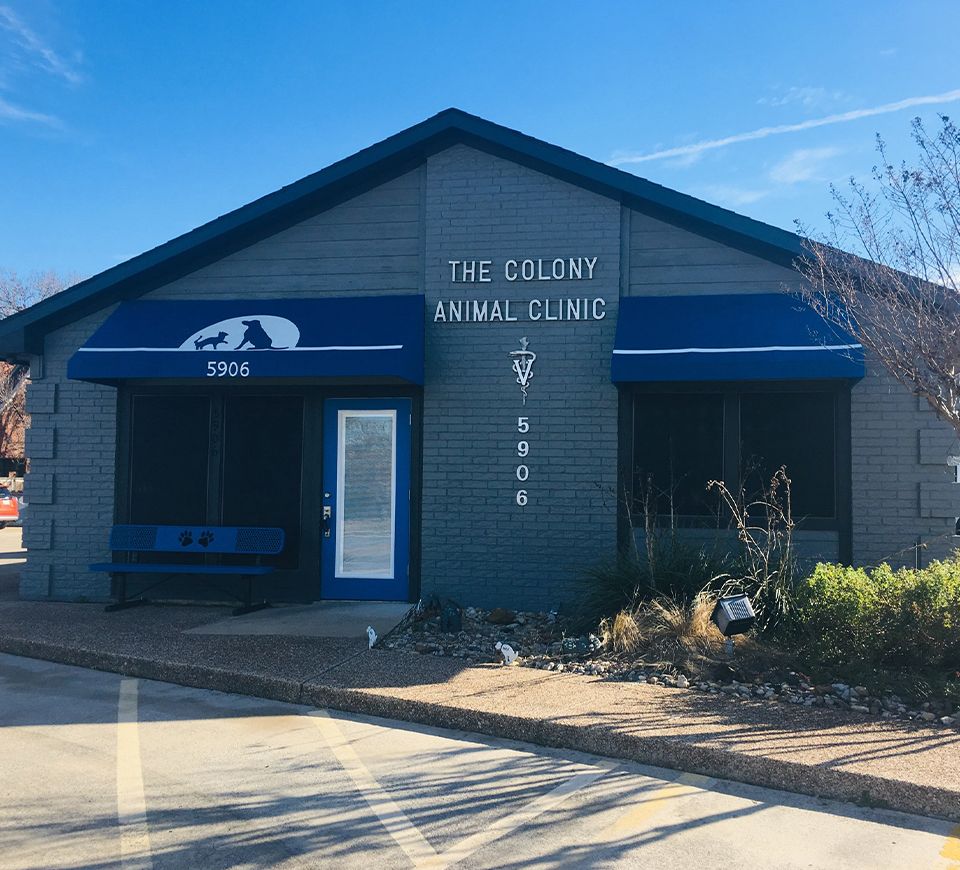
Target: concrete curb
{"points": [[195, 676], [817, 781]]}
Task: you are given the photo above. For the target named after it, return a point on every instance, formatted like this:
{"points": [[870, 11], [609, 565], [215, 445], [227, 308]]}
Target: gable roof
{"points": [[23, 332]]}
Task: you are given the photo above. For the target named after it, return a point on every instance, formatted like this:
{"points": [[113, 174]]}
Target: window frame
{"points": [[731, 391]]}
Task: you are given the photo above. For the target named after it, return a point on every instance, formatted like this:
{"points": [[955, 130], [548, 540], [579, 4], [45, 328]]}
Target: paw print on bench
{"points": [[185, 538], [205, 538]]}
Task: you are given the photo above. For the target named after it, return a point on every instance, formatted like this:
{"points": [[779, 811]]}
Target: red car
{"points": [[9, 507]]}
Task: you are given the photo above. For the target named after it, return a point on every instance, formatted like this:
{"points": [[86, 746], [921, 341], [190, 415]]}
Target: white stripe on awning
{"points": [[771, 348]]}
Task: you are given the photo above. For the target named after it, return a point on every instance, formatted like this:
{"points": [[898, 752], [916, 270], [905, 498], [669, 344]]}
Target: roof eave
{"points": [[373, 165]]}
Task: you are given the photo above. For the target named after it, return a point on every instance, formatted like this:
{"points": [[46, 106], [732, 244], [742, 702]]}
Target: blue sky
{"points": [[124, 123]]}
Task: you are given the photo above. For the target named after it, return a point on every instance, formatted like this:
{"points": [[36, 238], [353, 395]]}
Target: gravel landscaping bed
{"points": [[539, 642]]}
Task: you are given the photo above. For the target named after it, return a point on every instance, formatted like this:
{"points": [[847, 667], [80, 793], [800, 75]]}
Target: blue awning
{"points": [[364, 336], [747, 337]]}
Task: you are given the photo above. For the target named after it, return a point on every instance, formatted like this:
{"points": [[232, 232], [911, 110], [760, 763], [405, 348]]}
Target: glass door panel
{"points": [[365, 528], [366, 476]]}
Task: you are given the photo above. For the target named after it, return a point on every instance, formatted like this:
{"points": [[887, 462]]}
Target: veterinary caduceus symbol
{"points": [[523, 360]]}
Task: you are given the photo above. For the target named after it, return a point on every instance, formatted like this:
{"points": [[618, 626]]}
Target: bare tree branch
{"points": [[887, 271], [17, 293]]}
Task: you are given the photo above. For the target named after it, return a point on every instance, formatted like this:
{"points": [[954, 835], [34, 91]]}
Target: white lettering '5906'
{"points": [[223, 369]]}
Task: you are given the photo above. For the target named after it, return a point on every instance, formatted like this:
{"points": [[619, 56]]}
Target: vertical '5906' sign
{"points": [[523, 450], [523, 360]]}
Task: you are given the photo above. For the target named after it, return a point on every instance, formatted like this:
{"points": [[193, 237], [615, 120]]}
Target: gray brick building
{"points": [[423, 280]]}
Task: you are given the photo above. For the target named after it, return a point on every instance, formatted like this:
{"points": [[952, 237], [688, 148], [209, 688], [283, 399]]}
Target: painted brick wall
{"points": [[903, 489], [71, 445], [479, 546]]}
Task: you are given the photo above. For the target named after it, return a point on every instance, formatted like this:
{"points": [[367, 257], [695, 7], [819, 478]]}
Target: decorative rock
{"points": [[544, 648], [500, 616]]}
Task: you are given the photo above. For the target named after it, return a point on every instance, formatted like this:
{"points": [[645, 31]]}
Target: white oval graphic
{"points": [[249, 332]]}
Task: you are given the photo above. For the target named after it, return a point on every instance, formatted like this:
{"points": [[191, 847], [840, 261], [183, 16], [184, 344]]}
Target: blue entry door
{"points": [[365, 528]]}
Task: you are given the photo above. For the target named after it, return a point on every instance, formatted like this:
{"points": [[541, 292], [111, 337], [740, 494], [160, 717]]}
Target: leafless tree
{"points": [[13, 412], [17, 293], [887, 272]]}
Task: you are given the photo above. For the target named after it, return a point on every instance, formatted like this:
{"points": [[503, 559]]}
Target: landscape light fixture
{"points": [[733, 614]]}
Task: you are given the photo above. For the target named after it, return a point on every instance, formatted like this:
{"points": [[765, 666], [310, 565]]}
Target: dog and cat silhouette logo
{"points": [[254, 336]]}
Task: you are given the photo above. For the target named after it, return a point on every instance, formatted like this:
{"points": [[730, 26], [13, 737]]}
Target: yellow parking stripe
{"points": [[511, 821], [405, 834], [636, 817], [131, 802], [951, 850]]}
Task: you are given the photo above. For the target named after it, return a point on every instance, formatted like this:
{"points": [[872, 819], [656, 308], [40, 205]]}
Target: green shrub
{"points": [[880, 617]]}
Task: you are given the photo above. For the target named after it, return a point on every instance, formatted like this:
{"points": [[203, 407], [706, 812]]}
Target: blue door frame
{"points": [[338, 580]]}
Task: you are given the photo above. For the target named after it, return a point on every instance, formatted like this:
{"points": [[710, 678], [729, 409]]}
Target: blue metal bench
{"points": [[195, 540]]}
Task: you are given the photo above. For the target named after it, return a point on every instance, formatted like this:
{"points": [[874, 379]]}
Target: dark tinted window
{"points": [[678, 447], [169, 443], [795, 430], [263, 441]]}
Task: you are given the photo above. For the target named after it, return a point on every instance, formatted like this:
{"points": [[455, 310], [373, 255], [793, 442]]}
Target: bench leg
{"points": [[248, 605], [122, 603]]}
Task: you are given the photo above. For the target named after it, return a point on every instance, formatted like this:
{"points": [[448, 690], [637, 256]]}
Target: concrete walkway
{"points": [[818, 752], [347, 619]]}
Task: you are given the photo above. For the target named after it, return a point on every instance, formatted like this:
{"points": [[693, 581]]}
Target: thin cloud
{"points": [[804, 164], [33, 46], [809, 98], [11, 112], [780, 129]]}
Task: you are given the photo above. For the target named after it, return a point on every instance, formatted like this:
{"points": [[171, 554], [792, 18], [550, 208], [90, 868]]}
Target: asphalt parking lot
{"points": [[106, 771]]}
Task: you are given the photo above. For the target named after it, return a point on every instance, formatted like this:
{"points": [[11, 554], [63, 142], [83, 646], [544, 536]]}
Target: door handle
{"points": [[326, 516]]}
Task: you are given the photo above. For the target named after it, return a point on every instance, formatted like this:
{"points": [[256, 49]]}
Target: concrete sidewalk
{"points": [[817, 752]]}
